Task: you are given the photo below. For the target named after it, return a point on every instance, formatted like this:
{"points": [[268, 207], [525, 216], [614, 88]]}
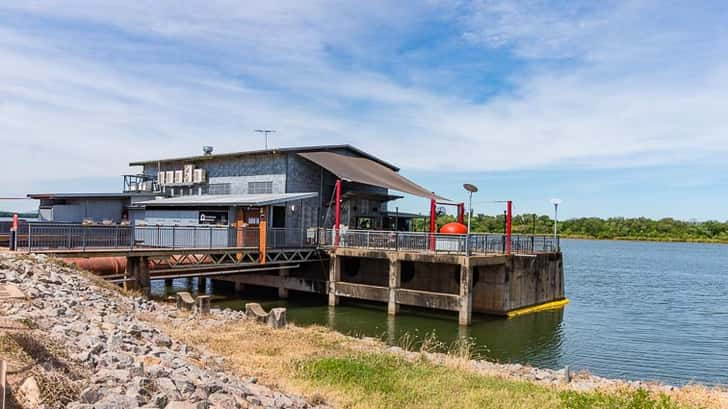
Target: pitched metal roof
{"points": [[316, 148], [227, 200], [363, 170]]}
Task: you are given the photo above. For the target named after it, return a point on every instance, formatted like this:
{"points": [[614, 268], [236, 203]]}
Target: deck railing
{"points": [[477, 243], [49, 236]]}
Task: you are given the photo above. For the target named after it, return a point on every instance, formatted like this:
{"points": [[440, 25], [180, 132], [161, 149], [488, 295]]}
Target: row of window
{"points": [[225, 189]]}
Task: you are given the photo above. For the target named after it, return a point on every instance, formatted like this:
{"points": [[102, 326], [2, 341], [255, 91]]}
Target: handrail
{"points": [[46, 236]]}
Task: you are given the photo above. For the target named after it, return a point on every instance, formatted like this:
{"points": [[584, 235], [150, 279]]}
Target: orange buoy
{"points": [[454, 228]]}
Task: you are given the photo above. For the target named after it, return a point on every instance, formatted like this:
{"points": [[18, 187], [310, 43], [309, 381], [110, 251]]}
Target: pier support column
{"points": [[239, 286], [334, 277], [466, 293], [282, 292], [168, 282], [201, 285], [138, 269], [395, 280]]}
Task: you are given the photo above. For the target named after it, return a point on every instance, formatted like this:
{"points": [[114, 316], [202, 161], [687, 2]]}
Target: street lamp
{"points": [[556, 203], [471, 189]]}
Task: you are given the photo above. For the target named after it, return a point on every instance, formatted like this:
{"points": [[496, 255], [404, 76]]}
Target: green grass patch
{"points": [[385, 381], [371, 380], [638, 399]]}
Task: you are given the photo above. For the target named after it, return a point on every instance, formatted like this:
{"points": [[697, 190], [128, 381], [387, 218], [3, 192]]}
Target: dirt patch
{"points": [[37, 366]]}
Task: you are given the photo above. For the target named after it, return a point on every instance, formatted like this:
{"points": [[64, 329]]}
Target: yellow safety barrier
{"points": [[551, 305]]}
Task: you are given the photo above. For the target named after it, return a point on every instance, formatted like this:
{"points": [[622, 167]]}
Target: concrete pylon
{"points": [[334, 277], [282, 291], [465, 310], [395, 281]]}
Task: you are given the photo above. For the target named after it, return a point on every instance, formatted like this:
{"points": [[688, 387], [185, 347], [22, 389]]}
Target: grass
{"points": [[637, 399], [372, 380], [352, 373], [31, 353]]}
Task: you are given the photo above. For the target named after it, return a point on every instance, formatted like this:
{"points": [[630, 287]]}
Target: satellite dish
{"points": [[470, 188]]}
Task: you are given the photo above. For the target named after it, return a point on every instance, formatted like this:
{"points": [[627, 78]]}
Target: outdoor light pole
{"points": [[471, 189], [556, 203]]}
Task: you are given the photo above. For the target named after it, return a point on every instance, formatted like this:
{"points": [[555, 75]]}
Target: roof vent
{"points": [[207, 150]]}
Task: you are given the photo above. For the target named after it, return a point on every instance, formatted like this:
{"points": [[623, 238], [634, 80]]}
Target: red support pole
{"points": [[461, 213], [433, 223], [15, 221], [337, 212], [509, 219]]}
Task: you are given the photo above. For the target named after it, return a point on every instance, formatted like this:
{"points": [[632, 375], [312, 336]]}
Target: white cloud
{"points": [[607, 86]]}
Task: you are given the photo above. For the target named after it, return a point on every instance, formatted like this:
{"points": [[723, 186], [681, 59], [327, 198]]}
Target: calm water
{"points": [[650, 311]]}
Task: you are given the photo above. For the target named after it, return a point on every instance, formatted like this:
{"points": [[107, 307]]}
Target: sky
{"points": [[618, 108]]}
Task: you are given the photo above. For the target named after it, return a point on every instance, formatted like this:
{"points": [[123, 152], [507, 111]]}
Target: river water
{"points": [[638, 310]]}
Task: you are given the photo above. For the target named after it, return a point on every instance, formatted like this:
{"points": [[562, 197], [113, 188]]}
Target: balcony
{"points": [[140, 183]]}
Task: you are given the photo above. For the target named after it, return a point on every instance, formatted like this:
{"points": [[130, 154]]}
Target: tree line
{"points": [[614, 228], [20, 215]]}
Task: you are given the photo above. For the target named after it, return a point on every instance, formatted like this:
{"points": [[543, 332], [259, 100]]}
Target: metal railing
{"points": [[478, 243], [49, 236]]}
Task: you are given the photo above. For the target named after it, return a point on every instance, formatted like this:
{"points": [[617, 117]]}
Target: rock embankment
{"points": [[130, 364]]}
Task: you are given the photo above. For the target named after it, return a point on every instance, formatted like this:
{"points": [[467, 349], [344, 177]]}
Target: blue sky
{"points": [[616, 107]]}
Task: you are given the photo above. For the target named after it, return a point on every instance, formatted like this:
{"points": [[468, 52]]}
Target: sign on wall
{"points": [[213, 217]]}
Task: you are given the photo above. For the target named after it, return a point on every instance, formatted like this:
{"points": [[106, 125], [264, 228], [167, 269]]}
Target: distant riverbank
{"points": [[645, 239], [595, 228]]}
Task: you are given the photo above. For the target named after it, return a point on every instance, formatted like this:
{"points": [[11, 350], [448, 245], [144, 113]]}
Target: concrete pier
{"points": [[465, 311], [395, 280], [334, 277], [137, 269], [505, 285], [283, 291], [494, 284]]}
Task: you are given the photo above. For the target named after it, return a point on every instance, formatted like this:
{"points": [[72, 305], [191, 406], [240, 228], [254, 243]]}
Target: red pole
{"points": [[433, 223], [337, 212], [15, 221], [509, 219], [461, 213]]}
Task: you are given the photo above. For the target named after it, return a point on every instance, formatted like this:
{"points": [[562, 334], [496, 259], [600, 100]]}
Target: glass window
{"points": [[279, 216], [218, 188], [260, 187]]}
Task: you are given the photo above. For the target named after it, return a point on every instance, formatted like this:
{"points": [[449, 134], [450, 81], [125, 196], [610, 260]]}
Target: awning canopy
{"points": [[264, 199], [367, 171], [379, 197]]}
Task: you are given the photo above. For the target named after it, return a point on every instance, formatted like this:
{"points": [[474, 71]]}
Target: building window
{"points": [[260, 187], [279, 217], [218, 189]]}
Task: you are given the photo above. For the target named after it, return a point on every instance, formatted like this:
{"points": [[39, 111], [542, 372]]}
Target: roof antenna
{"points": [[266, 132], [207, 150]]}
